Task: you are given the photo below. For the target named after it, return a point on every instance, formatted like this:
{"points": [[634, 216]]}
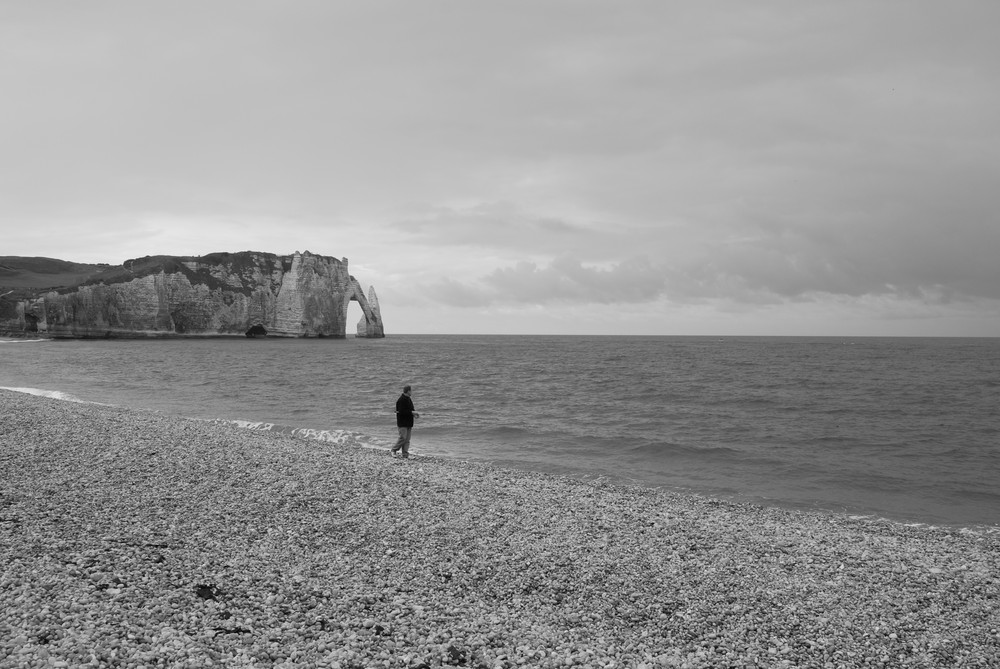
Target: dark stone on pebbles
{"points": [[206, 591], [456, 655]]}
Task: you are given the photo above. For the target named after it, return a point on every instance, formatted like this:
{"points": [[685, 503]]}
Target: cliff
{"points": [[301, 295]]}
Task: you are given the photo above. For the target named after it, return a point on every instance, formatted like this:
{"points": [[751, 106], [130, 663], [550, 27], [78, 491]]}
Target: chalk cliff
{"points": [[299, 295]]}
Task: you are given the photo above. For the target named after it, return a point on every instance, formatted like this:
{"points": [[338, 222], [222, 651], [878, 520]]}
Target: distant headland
{"points": [[221, 294]]}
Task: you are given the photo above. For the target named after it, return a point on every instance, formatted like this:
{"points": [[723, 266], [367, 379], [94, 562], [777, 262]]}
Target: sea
{"points": [[902, 429]]}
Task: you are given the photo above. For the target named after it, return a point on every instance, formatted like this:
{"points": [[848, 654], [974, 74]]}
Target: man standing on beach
{"points": [[404, 421]]}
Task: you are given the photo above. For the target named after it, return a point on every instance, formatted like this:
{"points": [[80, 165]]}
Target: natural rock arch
{"points": [[370, 325]]}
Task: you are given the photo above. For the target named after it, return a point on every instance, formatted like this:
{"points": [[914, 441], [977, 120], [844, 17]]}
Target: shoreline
{"points": [[131, 535], [358, 440], [338, 437]]}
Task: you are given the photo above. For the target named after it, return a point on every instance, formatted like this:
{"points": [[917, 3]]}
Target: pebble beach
{"points": [[137, 539]]}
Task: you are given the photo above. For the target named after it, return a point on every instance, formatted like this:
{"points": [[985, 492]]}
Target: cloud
{"points": [[568, 280], [565, 280], [784, 266]]}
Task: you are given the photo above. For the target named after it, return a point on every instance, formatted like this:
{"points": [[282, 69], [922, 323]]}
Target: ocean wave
{"points": [[52, 394], [338, 437], [673, 449]]}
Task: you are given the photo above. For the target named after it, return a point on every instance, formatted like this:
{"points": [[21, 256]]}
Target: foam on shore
{"points": [[135, 538], [41, 392]]}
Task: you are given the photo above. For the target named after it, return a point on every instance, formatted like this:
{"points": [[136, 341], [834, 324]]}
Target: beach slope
{"points": [[137, 539]]}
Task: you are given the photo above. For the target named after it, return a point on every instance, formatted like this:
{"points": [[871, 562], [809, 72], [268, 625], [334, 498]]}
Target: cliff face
{"points": [[301, 295]]}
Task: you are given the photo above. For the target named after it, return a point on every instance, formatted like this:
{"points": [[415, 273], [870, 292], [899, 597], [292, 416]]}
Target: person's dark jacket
{"points": [[404, 411]]}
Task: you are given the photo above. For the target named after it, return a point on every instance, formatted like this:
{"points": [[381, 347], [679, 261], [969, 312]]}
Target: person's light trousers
{"points": [[403, 443]]}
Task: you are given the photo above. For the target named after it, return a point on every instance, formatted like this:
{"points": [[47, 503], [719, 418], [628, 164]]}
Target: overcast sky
{"points": [[530, 166]]}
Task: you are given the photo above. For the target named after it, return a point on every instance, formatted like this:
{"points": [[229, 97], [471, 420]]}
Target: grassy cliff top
{"points": [[32, 274], [23, 276]]}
